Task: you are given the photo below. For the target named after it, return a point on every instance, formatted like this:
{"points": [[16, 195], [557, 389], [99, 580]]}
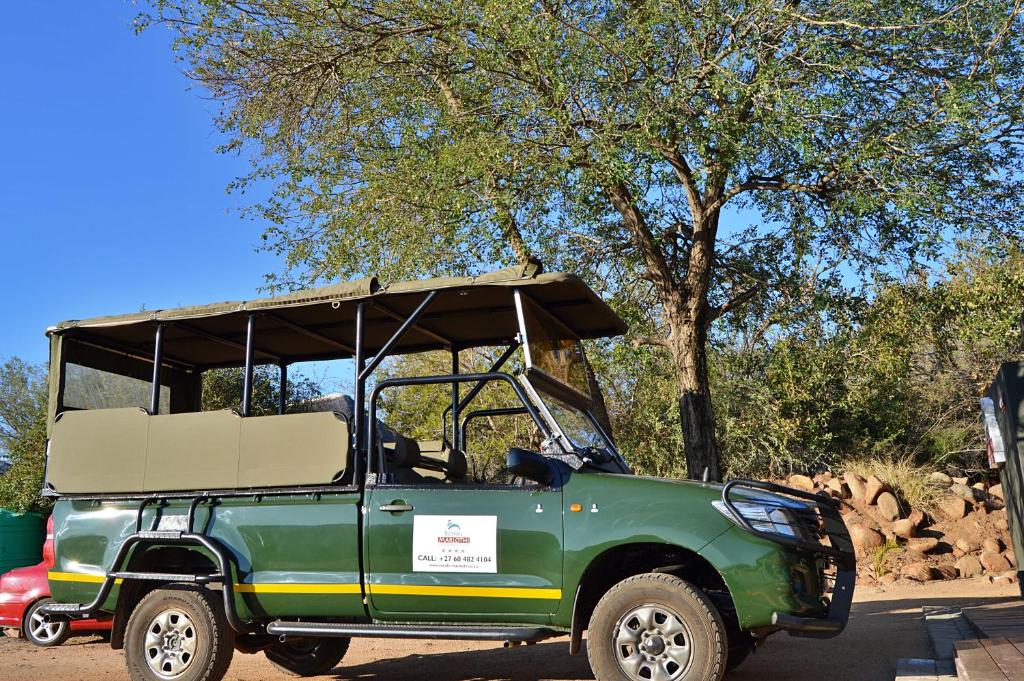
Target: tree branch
{"points": [[736, 301]]}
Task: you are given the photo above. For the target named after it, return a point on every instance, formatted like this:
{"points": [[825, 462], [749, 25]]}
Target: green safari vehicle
{"points": [[290, 533]]}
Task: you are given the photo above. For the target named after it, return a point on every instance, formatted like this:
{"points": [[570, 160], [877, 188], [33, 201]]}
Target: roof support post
{"points": [[282, 396], [250, 339], [455, 401], [399, 334], [360, 395], [500, 362], [158, 360]]}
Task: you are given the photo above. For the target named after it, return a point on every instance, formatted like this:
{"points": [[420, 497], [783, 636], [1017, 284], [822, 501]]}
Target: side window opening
{"points": [[490, 433], [222, 389], [418, 417], [94, 377], [89, 388]]}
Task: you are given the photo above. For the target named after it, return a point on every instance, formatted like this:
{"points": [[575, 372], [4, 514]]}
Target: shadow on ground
{"points": [[883, 629], [880, 632]]}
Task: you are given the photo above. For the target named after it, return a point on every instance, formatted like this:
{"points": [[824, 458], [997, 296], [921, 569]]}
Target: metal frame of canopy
{"points": [[497, 290]]}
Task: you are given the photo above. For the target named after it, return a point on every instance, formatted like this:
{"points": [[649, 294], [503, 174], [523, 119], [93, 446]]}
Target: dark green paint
{"points": [[529, 548], [313, 539]]}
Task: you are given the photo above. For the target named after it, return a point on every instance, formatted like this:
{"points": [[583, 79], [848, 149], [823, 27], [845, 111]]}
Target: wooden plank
{"points": [[1006, 656], [973, 663], [998, 619]]}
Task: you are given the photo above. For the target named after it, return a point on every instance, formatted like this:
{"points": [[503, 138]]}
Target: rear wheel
{"points": [[178, 634], [38, 630], [308, 656], [656, 627]]}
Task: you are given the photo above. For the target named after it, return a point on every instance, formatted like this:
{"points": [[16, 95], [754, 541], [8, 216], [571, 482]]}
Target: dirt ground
{"points": [[885, 626]]}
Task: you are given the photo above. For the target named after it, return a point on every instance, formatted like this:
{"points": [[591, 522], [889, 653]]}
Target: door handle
{"points": [[396, 507]]}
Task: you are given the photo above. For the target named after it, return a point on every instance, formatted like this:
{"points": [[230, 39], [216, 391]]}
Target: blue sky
{"points": [[111, 194]]}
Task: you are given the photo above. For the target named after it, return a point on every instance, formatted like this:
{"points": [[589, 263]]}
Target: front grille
{"points": [[811, 523]]}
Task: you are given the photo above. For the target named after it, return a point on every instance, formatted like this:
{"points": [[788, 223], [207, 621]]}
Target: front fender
{"points": [[617, 510], [761, 576]]}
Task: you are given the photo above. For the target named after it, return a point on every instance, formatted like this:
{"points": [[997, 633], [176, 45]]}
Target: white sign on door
{"points": [[455, 543]]}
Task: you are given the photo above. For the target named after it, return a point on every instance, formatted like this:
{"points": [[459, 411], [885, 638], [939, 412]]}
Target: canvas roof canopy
{"points": [[320, 324]]}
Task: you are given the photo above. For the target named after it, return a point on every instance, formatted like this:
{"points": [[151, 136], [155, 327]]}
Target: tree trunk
{"points": [[688, 315], [689, 318], [688, 345]]}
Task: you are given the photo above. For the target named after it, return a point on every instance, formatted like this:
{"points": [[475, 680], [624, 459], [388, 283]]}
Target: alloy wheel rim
{"points": [[43, 630], [652, 643], [171, 642]]}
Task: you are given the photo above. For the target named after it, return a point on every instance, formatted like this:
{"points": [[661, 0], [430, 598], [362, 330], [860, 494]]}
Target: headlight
{"points": [[762, 517]]}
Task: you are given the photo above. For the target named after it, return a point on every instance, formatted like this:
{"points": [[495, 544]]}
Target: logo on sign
{"points": [[453, 534]]}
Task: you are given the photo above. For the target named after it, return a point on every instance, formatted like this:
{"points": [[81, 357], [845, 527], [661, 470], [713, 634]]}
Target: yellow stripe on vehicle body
{"points": [[378, 589], [464, 591], [80, 577], [265, 588]]}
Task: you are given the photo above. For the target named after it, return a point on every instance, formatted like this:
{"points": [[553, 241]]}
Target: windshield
{"points": [[554, 357], [580, 433], [575, 425]]}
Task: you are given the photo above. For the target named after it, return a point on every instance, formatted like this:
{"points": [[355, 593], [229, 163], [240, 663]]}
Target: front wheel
{"points": [[308, 656], [656, 627], [178, 634], [39, 630]]}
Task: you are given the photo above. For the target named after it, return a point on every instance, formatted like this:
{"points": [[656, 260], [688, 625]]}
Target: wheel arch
{"points": [[154, 558], [626, 560]]}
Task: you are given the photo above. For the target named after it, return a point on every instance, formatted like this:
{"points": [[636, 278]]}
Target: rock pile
{"points": [[965, 535]]}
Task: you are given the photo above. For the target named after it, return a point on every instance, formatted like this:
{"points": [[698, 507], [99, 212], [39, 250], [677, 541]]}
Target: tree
{"points": [[614, 137], [222, 389], [23, 435], [21, 484], [22, 394]]}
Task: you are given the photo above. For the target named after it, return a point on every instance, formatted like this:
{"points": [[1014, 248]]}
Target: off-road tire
{"points": [[707, 638], [741, 643], [308, 657], [62, 630], [741, 646], [214, 638]]}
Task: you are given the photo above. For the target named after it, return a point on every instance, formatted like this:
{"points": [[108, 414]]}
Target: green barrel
{"points": [[21, 539]]}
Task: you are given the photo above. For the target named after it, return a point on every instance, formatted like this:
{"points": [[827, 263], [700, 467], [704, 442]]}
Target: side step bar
{"points": [[167, 577], [463, 633]]}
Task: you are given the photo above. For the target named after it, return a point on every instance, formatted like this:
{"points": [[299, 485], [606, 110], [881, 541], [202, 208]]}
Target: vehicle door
{"points": [[483, 548]]}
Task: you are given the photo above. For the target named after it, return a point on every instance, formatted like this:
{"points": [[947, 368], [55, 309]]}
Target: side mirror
{"points": [[530, 465]]}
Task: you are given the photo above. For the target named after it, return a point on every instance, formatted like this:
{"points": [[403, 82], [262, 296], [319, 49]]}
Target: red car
{"points": [[24, 590]]}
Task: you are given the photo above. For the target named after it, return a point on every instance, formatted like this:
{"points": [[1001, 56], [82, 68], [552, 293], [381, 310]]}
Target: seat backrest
{"points": [[294, 449], [457, 466], [401, 452], [98, 450], [454, 461], [198, 450], [127, 450]]}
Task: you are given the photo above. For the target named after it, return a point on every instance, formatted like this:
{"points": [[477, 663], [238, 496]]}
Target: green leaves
{"points": [[222, 389], [679, 151], [23, 435]]}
